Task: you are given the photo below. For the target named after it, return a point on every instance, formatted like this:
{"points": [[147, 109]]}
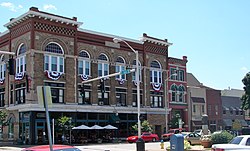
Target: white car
{"points": [[241, 142], [199, 131]]}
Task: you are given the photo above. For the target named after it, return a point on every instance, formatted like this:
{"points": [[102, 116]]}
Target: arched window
{"points": [[181, 93], [53, 60], [155, 72], [2, 68], [120, 66], [84, 63], [134, 73], [103, 65], [174, 89], [21, 59]]}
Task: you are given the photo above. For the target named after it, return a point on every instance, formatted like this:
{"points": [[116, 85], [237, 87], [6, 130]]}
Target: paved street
{"points": [[102, 147], [109, 147]]}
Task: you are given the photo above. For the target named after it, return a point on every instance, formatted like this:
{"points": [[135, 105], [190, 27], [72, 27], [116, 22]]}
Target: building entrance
{"points": [[40, 134]]}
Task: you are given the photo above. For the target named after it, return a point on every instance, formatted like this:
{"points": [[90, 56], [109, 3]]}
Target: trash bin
{"points": [[140, 145], [177, 142]]}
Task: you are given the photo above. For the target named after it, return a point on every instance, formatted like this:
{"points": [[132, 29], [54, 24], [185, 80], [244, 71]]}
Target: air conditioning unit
{"points": [[101, 103]]}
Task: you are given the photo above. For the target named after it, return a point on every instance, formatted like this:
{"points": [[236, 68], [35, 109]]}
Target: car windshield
{"points": [[236, 140]]}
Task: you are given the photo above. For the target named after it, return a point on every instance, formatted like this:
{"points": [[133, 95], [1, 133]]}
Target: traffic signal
{"points": [[82, 91], [11, 66], [102, 86]]}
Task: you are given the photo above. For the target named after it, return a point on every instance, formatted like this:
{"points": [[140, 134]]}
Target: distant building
{"points": [[231, 108]]}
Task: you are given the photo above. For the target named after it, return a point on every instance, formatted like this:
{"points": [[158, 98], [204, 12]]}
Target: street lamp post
{"points": [[167, 109], [140, 141]]}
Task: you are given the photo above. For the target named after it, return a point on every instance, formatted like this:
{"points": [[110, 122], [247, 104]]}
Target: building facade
{"points": [[52, 50]]}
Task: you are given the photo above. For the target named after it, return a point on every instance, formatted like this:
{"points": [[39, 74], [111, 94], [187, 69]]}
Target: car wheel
{"points": [[154, 139], [190, 143]]}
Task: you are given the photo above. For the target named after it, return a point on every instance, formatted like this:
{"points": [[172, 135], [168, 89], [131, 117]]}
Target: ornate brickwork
{"points": [[20, 30], [54, 29], [155, 49]]}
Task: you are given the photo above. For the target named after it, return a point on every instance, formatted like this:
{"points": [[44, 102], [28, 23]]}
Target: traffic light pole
{"points": [[110, 75]]}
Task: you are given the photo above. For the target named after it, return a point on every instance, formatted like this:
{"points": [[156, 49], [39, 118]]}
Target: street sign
{"points": [[126, 71]]}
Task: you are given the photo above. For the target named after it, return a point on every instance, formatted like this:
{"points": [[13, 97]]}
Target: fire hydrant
{"points": [[162, 144]]}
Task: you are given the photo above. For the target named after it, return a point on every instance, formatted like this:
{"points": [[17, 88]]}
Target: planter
{"points": [[206, 144]]}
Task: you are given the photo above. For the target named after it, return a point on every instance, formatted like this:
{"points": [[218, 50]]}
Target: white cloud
{"points": [[244, 69], [11, 6], [48, 7]]}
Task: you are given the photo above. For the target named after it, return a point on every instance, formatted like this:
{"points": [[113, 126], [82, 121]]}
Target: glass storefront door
{"points": [[40, 134]]}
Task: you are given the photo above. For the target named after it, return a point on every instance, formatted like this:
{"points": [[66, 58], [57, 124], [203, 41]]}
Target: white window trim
{"points": [[103, 63], [84, 60], [50, 62], [18, 63]]}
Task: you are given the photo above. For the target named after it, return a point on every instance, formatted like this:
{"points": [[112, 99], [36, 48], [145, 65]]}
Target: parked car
{"points": [[193, 138], [55, 148], [199, 131], [166, 137], [241, 142], [146, 136]]}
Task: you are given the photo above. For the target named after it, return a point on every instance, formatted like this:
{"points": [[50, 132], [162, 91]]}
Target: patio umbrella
{"points": [[110, 127], [96, 127], [81, 127]]}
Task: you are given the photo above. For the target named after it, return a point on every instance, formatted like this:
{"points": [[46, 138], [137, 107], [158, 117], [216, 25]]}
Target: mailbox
{"points": [[177, 142]]}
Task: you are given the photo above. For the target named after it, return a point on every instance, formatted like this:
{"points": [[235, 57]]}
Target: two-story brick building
{"points": [[52, 50]]}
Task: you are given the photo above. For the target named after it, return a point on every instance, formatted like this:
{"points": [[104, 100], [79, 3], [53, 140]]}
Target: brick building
{"points": [[52, 50]]}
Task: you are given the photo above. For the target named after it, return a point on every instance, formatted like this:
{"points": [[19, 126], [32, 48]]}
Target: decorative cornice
{"points": [[32, 14], [155, 41]]}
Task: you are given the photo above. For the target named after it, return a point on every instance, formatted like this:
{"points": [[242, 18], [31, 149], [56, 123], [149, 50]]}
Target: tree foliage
{"points": [[246, 96], [3, 116], [174, 122], [145, 127]]}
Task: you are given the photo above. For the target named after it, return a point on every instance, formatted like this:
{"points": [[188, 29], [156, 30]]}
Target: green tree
{"points": [[174, 122], [145, 127], [3, 116], [65, 123], [246, 96]]}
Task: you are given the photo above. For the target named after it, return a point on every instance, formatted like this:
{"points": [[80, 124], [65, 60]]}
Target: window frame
{"points": [[155, 72], [103, 65], [54, 59], [86, 64]]}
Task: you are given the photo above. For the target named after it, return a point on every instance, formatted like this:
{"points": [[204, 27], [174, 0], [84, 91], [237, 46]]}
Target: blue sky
{"points": [[213, 34]]}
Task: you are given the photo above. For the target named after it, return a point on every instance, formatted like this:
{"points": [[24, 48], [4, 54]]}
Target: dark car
{"points": [[55, 148], [146, 136]]}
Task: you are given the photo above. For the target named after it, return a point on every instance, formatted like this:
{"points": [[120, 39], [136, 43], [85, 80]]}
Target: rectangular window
{"points": [[20, 93], [61, 62], [104, 100], [156, 100], [84, 99], [99, 70], [57, 92], [46, 62], [87, 68], [106, 69], [53, 63], [202, 109], [80, 67], [2, 103], [194, 108]]}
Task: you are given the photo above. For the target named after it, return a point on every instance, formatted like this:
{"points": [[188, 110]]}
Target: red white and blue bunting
{"points": [[19, 76], [1, 81], [84, 77], [121, 81], [156, 86], [53, 75]]}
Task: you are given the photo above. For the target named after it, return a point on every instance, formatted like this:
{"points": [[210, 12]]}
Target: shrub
{"points": [[222, 138]]}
